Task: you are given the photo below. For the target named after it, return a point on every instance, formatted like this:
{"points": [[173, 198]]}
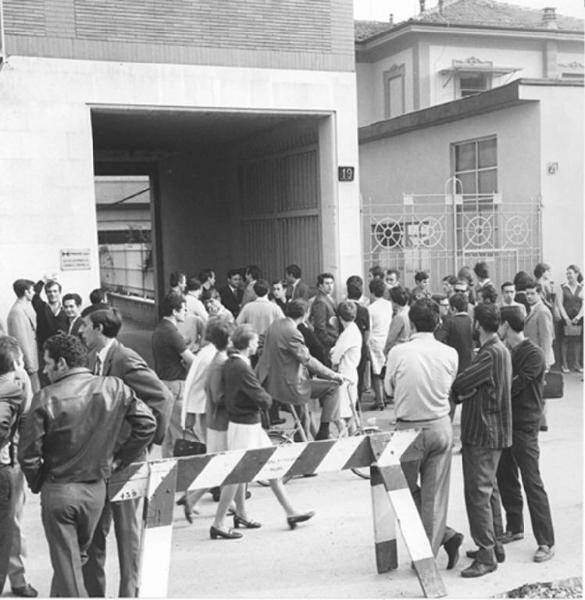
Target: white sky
{"points": [[378, 10]]}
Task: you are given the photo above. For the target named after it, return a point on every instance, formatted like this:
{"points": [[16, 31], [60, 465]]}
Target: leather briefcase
{"points": [[185, 447], [553, 385]]}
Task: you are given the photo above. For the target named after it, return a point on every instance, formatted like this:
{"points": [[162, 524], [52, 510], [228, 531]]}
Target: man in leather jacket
{"points": [[68, 449]]}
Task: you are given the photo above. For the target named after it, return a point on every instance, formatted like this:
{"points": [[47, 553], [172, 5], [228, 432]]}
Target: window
{"points": [[472, 84], [394, 99], [476, 167]]}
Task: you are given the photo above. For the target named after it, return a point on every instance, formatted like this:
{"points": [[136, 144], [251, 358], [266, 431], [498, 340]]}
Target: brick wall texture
{"points": [[185, 30]]}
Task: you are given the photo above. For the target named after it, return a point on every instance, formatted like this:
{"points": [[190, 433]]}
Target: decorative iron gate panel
{"points": [[441, 233]]}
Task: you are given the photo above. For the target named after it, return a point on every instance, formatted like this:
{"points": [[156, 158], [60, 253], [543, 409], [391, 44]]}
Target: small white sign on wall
{"points": [[75, 259]]}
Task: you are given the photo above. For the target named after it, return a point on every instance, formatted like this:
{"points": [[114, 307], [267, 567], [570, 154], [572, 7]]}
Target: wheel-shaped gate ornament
{"points": [[517, 230], [388, 233], [431, 232], [478, 231]]}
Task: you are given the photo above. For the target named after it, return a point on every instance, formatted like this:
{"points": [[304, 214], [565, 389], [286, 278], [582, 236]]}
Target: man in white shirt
{"points": [[419, 374]]}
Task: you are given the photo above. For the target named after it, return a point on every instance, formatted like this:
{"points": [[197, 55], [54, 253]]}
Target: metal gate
{"points": [[280, 214], [440, 233]]}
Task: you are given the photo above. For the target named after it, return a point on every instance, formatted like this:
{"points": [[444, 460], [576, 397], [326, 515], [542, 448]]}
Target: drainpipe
{"points": [[2, 38]]}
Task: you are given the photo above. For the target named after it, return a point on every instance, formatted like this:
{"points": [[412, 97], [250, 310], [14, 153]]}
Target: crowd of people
{"points": [[76, 404]]}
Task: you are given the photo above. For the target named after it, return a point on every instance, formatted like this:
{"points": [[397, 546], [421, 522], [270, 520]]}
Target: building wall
{"points": [[47, 197], [562, 188], [299, 34]]}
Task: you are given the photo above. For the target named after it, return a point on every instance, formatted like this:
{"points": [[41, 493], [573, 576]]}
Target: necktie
{"points": [[98, 366]]}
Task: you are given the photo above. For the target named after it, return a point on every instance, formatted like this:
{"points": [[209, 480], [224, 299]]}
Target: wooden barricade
{"points": [[392, 503]]}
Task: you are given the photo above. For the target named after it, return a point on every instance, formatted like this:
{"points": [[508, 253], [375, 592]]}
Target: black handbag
{"points": [[185, 447], [553, 385]]}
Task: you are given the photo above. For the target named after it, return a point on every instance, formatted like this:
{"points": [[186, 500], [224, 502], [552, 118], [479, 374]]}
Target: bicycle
{"points": [[280, 436]]}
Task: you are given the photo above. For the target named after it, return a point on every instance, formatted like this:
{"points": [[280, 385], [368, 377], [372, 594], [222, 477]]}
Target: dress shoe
{"points": [[512, 537], [292, 521], [25, 591], [477, 569], [247, 523], [278, 421], [230, 534], [543, 553], [188, 509], [498, 551], [452, 549]]}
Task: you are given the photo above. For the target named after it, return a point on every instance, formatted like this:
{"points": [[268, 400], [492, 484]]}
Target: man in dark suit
{"points": [[108, 356], [285, 365], [457, 330], [295, 288], [231, 294], [323, 316]]}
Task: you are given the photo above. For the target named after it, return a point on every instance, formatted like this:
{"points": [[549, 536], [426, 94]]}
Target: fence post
{"points": [[155, 559]]}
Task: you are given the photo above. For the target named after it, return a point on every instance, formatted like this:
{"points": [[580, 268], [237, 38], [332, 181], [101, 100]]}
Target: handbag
{"points": [[184, 447], [573, 330], [553, 385]]}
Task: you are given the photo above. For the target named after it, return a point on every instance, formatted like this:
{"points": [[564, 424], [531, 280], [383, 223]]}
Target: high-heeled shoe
{"points": [[247, 523], [295, 519], [230, 534], [188, 509]]}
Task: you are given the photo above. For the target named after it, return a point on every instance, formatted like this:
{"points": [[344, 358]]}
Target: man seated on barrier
{"points": [[419, 374], [285, 366]]}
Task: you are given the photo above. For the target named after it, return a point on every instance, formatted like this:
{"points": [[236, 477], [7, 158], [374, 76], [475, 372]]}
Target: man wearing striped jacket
{"points": [[484, 389]]}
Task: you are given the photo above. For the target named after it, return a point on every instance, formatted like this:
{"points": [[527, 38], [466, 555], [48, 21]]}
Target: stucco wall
{"points": [[46, 157]]}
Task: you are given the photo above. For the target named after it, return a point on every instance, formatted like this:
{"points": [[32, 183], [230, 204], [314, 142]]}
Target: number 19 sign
{"points": [[345, 173]]}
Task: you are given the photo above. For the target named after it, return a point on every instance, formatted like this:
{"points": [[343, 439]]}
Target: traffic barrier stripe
{"points": [[391, 498]]}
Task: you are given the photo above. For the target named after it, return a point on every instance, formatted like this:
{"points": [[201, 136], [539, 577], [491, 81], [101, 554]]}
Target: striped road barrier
{"points": [[392, 503]]}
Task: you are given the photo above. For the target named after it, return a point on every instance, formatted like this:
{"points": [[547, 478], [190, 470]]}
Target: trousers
{"points": [[70, 513], [482, 499], [429, 458], [128, 531], [175, 430], [522, 459]]}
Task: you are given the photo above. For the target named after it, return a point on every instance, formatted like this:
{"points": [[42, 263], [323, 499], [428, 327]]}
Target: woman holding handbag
{"points": [[571, 310]]}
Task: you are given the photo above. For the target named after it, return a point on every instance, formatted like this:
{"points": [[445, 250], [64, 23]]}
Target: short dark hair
{"points": [[531, 284], [377, 272], [465, 273], [513, 316], [75, 297], [242, 335], [488, 293], [355, 280], [218, 332], [377, 287], [540, 269], [450, 279], [395, 271], [488, 317], [347, 310], [68, 347], [520, 280], [420, 276], [175, 277], [424, 315], [505, 284], [261, 288], [98, 296], [459, 302], [296, 308], [21, 285], [293, 270], [323, 276], [9, 352], [110, 320], [52, 283], [204, 275], [193, 284], [233, 272], [171, 302], [254, 271], [399, 295], [481, 270], [354, 291]]}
